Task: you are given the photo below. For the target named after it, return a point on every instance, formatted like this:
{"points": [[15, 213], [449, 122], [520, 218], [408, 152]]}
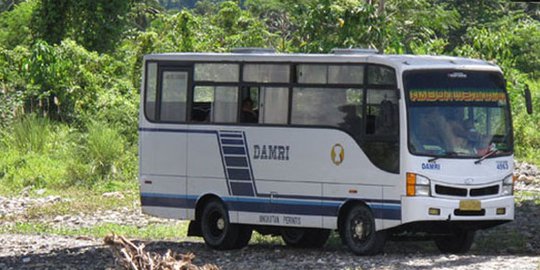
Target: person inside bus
{"points": [[248, 115], [352, 123]]}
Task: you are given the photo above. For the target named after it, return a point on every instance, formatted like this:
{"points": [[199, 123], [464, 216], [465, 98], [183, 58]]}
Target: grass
{"points": [[527, 195]]}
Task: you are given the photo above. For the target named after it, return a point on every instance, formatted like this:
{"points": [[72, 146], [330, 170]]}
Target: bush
{"points": [[102, 155], [30, 134]]}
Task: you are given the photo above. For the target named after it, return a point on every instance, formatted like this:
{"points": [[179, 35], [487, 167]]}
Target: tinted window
{"points": [[151, 91], [217, 72], [214, 104], [173, 96], [266, 73], [331, 74], [379, 75], [338, 107], [276, 105]]}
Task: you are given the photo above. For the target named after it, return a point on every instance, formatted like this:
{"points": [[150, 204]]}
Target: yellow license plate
{"points": [[470, 205]]}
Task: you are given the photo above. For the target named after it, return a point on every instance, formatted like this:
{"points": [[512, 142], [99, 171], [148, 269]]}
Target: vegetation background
{"points": [[70, 69]]}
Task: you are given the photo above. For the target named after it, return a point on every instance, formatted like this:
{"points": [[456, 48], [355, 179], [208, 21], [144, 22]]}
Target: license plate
{"points": [[470, 205]]}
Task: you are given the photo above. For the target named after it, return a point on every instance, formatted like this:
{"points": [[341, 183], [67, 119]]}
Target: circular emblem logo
{"points": [[337, 154]]}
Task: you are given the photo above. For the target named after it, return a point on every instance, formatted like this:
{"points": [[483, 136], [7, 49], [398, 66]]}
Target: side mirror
{"points": [[528, 99]]}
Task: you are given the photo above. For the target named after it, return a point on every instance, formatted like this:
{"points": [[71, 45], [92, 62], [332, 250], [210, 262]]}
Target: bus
{"points": [[299, 145]]}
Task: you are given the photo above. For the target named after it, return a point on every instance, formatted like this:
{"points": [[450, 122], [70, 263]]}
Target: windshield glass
{"points": [[457, 113]]}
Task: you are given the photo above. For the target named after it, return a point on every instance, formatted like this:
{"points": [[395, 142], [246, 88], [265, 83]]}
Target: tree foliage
{"points": [[78, 63]]}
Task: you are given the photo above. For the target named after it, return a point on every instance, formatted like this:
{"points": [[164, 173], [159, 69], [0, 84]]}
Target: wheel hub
{"points": [[359, 230], [220, 224]]}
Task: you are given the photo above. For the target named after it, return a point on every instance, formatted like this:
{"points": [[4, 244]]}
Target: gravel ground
{"points": [[514, 245]]}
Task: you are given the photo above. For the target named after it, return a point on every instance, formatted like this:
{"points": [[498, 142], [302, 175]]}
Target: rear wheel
{"points": [[304, 237], [459, 241], [218, 232], [359, 234]]}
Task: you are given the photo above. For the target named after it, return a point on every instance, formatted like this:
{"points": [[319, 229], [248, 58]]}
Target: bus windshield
{"points": [[457, 114]]}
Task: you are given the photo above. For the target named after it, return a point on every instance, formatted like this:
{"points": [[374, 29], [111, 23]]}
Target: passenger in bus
{"points": [[248, 115], [352, 123]]}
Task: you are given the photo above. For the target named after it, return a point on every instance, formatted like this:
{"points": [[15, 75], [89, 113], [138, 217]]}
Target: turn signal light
{"points": [[501, 211], [411, 183]]}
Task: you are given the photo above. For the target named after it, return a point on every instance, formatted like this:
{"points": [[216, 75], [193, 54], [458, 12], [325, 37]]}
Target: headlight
{"points": [[418, 185], [508, 186]]}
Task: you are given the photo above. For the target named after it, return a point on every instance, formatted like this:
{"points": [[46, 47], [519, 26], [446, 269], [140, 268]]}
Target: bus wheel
{"points": [[459, 241], [305, 238], [217, 231], [244, 235], [359, 234]]}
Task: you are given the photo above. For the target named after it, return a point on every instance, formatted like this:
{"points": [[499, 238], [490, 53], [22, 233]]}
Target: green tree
{"points": [[15, 25], [96, 24]]}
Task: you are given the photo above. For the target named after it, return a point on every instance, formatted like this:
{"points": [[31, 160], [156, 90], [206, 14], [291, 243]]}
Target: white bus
{"points": [[298, 145]]}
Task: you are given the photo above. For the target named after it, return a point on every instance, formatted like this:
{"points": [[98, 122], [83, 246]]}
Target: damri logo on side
{"points": [[275, 152]]}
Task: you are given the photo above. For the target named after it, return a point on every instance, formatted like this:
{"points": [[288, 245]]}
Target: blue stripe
{"points": [[239, 174], [235, 142], [242, 189], [229, 150], [236, 161], [263, 205], [225, 135]]}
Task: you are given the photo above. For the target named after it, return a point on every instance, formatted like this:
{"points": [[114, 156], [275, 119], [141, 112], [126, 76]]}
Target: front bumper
{"points": [[417, 209]]}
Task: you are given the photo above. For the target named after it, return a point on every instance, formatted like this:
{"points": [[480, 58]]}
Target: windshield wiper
{"points": [[447, 154], [491, 151]]}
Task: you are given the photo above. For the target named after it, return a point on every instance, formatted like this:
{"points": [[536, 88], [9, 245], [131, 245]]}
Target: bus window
{"points": [[330, 74], [379, 75], [217, 72], [249, 108], [382, 112], [214, 104], [274, 105], [151, 87], [266, 73], [173, 96], [338, 107]]}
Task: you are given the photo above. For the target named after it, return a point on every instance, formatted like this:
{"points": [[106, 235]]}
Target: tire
{"points": [[305, 238], [217, 231], [459, 241], [244, 235], [359, 234]]}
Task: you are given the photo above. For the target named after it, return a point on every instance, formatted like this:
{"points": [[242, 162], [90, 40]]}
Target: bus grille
{"points": [[491, 190], [450, 191], [463, 192]]}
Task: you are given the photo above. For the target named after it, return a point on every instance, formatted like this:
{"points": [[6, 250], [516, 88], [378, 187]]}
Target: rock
{"points": [[115, 194], [525, 179], [26, 260], [40, 191], [25, 191]]}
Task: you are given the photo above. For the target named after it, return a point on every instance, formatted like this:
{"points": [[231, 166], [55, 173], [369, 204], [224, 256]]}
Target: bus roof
{"points": [[400, 62]]}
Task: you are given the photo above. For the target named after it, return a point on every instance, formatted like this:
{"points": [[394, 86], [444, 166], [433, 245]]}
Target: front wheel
{"points": [[304, 237], [359, 234], [459, 241]]}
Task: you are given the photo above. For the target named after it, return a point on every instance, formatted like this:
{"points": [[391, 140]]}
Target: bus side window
{"points": [[249, 110], [381, 112], [173, 96], [151, 91], [214, 104], [274, 108]]}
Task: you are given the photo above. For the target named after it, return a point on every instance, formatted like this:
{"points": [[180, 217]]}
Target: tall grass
{"points": [[30, 134], [40, 153]]}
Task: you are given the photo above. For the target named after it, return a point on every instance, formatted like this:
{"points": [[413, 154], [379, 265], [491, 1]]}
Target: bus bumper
{"points": [[444, 209]]}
